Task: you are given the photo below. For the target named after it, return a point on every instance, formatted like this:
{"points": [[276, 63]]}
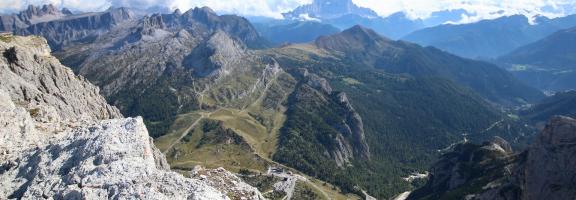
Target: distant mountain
{"points": [[491, 171], [366, 46], [555, 51], [294, 31], [489, 38], [79, 28], [30, 16], [394, 26], [548, 64], [329, 9], [344, 14]]}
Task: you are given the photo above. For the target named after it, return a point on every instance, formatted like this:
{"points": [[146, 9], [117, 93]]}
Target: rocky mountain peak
{"points": [[66, 11], [204, 14], [37, 11], [120, 14], [354, 39], [177, 12], [361, 31], [330, 9], [226, 50], [32, 15]]}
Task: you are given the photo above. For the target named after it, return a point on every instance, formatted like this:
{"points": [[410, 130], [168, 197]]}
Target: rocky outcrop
{"points": [[216, 57], [352, 141], [30, 74], [550, 168], [108, 159], [466, 163], [54, 143], [226, 182], [546, 170], [317, 82], [354, 127], [348, 142]]}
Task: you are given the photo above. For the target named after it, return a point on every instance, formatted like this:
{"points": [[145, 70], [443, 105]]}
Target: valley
{"points": [[324, 103]]}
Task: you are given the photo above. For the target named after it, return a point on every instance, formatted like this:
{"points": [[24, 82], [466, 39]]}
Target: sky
{"points": [[479, 9]]}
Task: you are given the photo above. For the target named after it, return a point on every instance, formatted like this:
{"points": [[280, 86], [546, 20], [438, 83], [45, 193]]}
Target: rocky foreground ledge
{"points": [[58, 139]]}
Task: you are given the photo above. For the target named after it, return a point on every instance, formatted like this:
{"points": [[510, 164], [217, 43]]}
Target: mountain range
{"points": [[490, 38], [31, 16], [344, 14], [547, 64], [348, 113], [282, 32]]}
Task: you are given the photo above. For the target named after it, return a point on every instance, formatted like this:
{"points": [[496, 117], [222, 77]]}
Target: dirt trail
{"points": [[185, 132]]}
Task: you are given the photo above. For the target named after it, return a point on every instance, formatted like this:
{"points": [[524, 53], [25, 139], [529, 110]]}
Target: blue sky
{"points": [[481, 9]]}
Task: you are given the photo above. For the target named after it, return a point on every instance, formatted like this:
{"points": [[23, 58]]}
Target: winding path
{"points": [[185, 132]]}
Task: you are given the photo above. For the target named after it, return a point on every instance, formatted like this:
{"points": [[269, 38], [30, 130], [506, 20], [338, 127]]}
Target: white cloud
{"points": [[481, 9], [269, 8]]}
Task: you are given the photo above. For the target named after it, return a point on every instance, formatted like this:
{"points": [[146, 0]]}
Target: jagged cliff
{"points": [[80, 28], [32, 15], [350, 141], [30, 74], [62, 27], [53, 143], [546, 170]]}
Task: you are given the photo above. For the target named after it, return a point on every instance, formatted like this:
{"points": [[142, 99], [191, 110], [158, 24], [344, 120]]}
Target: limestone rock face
{"points": [[108, 159], [30, 74], [227, 182], [551, 164]]}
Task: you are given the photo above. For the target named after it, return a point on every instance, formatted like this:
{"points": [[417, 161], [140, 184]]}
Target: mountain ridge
{"points": [[547, 64], [477, 40], [404, 57]]}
